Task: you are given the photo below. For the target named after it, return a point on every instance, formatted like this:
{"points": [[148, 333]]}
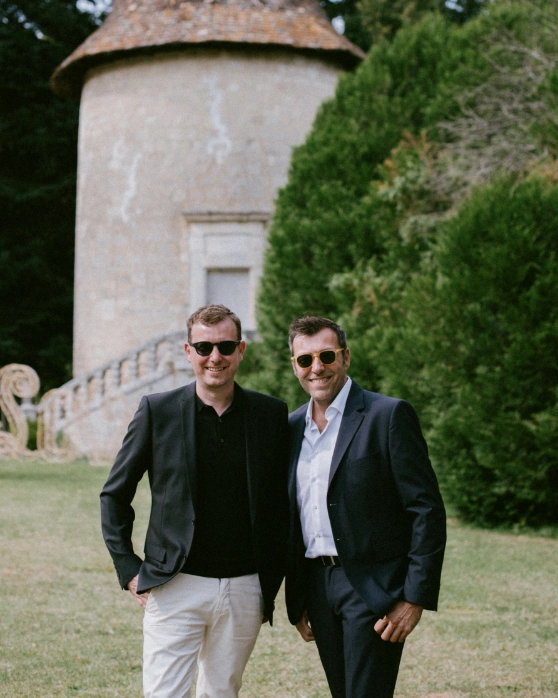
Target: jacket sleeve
{"points": [[117, 513], [418, 489]]}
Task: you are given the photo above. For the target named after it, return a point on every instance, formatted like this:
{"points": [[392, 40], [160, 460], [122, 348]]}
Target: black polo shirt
{"points": [[222, 544]]}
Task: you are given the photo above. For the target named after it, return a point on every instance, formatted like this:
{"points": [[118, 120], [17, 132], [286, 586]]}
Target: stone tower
{"points": [[189, 113]]}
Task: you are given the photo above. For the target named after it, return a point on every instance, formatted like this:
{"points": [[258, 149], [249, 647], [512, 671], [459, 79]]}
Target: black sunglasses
{"points": [[327, 356], [225, 348]]}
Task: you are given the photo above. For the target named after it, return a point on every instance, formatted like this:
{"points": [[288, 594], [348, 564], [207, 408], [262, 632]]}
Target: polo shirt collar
{"points": [[239, 399]]}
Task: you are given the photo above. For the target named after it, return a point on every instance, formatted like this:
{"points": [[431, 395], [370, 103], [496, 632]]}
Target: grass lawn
{"points": [[66, 629]]}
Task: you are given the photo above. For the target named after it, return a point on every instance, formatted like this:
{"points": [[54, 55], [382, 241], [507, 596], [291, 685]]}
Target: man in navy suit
{"points": [[368, 526]]}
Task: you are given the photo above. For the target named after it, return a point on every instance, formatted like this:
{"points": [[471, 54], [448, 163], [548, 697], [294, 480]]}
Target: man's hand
{"points": [[132, 588], [401, 620], [304, 628]]}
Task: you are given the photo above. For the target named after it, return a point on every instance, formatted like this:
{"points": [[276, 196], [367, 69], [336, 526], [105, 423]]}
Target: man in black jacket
{"points": [[215, 548], [368, 526]]}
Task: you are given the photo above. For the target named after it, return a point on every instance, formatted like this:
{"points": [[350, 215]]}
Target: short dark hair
{"points": [[309, 325], [212, 315]]}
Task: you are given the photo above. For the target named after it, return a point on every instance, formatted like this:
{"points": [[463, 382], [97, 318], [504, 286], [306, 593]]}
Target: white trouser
{"points": [[213, 621]]}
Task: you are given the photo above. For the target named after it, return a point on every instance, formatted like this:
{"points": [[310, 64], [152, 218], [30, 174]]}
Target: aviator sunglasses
{"points": [[327, 356], [225, 348]]}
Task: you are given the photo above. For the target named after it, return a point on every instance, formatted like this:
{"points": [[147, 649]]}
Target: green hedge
{"points": [[474, 344], [325, 221], [446, 299], [487, 314]]}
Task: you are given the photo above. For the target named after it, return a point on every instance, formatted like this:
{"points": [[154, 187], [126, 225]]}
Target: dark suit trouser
{"points": [[357, 662]]}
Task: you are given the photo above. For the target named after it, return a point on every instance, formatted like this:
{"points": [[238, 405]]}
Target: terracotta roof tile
{"points": [[135, 25]]}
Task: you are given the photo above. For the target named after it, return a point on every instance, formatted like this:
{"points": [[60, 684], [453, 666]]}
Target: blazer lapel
{"points": [[297, 435], [252, 434], [352, 418], [188, 413]]}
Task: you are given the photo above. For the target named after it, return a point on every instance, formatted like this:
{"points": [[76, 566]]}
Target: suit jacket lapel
{"points": [[188, 412], [297, 435], [352, 418], [253, 446], [297, 426]]}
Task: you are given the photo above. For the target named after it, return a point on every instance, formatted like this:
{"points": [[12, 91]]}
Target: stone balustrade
{"points": [[126, 374], [88, 416]]}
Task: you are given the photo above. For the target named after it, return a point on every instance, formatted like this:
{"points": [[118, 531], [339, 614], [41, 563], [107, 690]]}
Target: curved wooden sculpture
{"points": [[16, 380]]}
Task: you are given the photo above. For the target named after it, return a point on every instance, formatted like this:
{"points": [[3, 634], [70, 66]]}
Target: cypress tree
{"points": [[38, 151]]}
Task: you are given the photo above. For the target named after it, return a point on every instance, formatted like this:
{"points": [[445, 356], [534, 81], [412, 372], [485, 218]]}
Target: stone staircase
{"points": [[88, 416]]}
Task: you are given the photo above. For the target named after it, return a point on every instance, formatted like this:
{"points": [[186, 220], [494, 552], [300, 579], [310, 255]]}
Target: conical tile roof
{"points": [[139, 25]]}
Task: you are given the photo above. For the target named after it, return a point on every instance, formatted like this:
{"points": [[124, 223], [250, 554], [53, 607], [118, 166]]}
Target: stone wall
{"points": [[169, 143]]}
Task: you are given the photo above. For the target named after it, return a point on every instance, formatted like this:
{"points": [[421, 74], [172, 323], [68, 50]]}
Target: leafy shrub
{"points": [[319, 228], [332, 217], [493, 354], [474, 344], [445, 296]]}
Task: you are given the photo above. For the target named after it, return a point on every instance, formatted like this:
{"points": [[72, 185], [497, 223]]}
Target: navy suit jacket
{"points": [[384, 505], [161, 442]]}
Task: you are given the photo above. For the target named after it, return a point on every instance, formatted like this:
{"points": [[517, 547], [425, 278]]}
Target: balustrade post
{"points": [[68, 405], [115, 376], [99, 387], [133, 367], [151, 359], [169, 355]]}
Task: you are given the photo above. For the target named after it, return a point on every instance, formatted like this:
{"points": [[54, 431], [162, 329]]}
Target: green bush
{"points": [[333, 214], [473, 342], [446, 297], [493, 354], [319, 228]]}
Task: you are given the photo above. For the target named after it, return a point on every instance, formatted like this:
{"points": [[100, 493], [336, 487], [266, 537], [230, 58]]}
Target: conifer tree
{"points": [[38, 153]]}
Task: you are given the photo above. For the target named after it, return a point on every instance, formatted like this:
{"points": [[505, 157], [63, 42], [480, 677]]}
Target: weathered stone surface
{"points": [[189, 113], [88, 416], [166, 142]]}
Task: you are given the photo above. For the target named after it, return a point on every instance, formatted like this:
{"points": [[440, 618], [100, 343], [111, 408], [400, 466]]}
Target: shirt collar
{"points": [[338, 405], [239, 399]]}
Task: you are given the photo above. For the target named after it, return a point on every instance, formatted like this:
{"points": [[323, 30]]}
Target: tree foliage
{"points": [[368, 21], [384, 177], [383, 18], [396, 88], [349, 11], [489, 319], [458, 314], [471, 337], [38, 150], [413, 84]]}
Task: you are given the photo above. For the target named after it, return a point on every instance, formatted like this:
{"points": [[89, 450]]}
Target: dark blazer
{"points": [[161, 442], [384, 505]]}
